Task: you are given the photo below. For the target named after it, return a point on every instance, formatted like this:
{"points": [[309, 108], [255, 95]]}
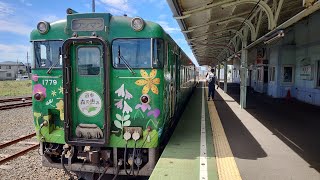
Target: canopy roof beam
{"points": [[263, 5], [218, 20]]}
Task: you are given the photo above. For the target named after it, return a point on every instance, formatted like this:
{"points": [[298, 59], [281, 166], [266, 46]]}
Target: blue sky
{"points": [[19, 17]]}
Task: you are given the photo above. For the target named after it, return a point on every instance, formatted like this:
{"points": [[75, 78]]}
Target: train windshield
{"points": [[136, 53], [47, 54]]}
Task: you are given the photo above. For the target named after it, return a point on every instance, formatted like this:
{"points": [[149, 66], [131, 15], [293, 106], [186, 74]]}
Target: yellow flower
{"points": [[60, 90], [53, 93], [60, 108], [149, 81]]}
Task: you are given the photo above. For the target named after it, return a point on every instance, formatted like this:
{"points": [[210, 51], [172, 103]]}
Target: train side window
{"points": [[158, 53], [47, 53], [88, 60], [43, 54]]}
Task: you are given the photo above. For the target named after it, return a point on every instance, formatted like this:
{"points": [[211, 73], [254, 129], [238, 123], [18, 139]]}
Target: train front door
{"points": [[86, 97]]}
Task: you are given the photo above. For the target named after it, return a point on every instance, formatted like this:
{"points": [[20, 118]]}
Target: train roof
{"points": [[115, 27]]}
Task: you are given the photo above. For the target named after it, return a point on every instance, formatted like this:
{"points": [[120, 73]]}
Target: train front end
{"points": [[99, 94]]}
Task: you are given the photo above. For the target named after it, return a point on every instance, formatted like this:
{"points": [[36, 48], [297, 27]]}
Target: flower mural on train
{"points": [[149, 81], [143, 106], [124, 119], [38, 88], [60, 107], [34, 77]]}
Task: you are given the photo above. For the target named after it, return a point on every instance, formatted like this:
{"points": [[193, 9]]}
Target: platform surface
{"points": [[181, 157]]}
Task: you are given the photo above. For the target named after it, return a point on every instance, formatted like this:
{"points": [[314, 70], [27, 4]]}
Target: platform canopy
{"points": [[215, 29]]}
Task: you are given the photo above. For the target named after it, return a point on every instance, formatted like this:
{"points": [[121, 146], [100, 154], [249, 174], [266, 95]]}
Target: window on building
{"points": [[259, 75], [287, 74], [272, 73], [9, 75], [8, 67], [318, 73], [0, 67]]}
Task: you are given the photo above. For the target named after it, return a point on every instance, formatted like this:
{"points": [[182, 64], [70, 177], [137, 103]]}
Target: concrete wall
{"points": [[299, 47]]}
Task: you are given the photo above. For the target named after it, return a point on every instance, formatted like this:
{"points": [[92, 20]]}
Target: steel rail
{"points": [[15, 99], [16, 140], [20, 153], [11, 106]]}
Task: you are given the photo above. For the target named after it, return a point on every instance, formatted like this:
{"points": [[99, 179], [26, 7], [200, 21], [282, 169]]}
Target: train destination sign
{"points": [[87, 24]]}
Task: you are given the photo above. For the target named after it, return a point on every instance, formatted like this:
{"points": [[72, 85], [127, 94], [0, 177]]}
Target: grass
{"points": [[15, 88]]}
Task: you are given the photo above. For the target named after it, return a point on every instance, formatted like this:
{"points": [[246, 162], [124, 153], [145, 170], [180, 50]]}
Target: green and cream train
{"points": [[106, 90]]}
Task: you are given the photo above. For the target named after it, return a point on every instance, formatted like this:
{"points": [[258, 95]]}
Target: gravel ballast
{"points": [[15, 123]]}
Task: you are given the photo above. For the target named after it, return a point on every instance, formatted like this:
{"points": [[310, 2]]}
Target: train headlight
{"points": [[137, 24], [43, 27], [145, 99], [38, 96]]}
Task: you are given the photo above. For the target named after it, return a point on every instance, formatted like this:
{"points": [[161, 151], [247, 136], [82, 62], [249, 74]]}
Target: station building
{"points": [[272, 46], [289, 65]]}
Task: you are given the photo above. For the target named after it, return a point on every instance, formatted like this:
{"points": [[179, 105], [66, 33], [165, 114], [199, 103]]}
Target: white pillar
{"points": [[218, 79], [243, 74], [225, 85]]}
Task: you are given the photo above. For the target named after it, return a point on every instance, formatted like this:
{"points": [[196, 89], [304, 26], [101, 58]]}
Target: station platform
{"points": [[271, 139], [190, 152]]}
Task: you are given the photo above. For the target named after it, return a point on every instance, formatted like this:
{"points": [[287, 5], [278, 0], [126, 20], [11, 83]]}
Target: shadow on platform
{"points": [[242, 143], [296, 123]]}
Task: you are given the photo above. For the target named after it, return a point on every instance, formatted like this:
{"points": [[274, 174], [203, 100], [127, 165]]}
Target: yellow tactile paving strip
{"points": [[226, 165]]}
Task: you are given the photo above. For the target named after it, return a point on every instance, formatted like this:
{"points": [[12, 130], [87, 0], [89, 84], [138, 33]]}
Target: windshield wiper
{"points": [[54, 65], [125, 61], [158, 62]]}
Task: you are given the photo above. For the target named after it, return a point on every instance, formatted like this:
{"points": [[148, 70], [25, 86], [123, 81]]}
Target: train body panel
{"points": [[96, 79]]}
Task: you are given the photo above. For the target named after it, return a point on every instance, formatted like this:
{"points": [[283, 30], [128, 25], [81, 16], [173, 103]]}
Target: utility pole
{"points": [[28, 67], [18, 72], [93, 6]]}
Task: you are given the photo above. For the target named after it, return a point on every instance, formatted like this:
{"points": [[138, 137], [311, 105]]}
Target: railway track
{"points": [[15, 105], [21, 152]]}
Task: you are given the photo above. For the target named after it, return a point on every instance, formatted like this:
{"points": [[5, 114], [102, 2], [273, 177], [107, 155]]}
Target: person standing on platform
{"points": [[211, 79]]}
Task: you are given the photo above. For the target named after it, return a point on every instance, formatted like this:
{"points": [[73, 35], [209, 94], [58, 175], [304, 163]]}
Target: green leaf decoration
{"points": [[118, 116], [127, 123], [91, 108], [117, 124], [126, 117]]}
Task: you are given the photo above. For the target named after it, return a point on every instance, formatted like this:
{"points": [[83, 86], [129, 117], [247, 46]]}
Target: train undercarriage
{"points": [[90, 162]]}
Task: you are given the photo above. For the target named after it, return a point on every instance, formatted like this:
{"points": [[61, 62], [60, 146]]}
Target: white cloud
{"points": [[15, 27], [5, 9], [115, 11], [13, 52], [25, 2], [161, 4], [163, 16], [50, 18], [167, 28], [9, 24], [119, 6], [87, 5]]}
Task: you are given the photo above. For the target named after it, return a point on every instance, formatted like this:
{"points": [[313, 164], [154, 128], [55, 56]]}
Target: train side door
{"points": [[86, 98]]}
